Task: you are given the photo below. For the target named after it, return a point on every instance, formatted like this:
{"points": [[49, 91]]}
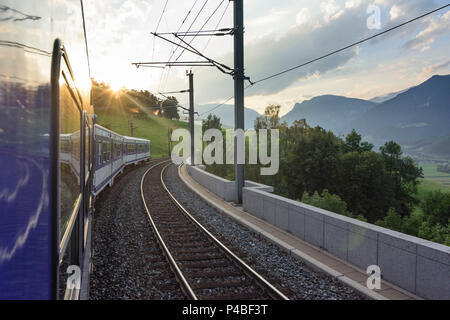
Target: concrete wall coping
{"points": [[203, 171], [415, 265], [397, 239]]}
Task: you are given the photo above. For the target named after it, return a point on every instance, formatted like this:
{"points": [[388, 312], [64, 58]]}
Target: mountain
{"points": [[421, 113], [386, 97], [226, 114], [439, 147], [328, 111]]}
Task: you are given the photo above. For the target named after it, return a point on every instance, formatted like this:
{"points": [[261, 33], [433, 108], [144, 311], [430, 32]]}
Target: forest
{"points": [[346, 175]]}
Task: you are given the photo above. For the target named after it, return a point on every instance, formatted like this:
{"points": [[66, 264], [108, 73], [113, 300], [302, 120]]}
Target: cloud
{"points": [[269, 55], [433, 69], [330, 10], [426, 37], [408, 8], [117, 32], [351, 4], [303, 16], [395, 12], [278, 36]]}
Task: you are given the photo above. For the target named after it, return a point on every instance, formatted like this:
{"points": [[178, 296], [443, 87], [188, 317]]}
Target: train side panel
{"points": [[29, 237], [113, 153]]}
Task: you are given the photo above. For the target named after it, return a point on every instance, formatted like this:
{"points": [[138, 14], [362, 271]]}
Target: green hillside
{"points": [[152, 128], [115, 110]]}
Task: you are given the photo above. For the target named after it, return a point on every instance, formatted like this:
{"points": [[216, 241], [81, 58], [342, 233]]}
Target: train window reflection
{"points": [[70, 139]]}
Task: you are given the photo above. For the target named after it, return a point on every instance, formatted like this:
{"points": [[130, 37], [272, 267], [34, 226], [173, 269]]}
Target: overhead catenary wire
{"points": [[161, 16], [332, 53], [217, 26], [172, 49], [204, 24], [191, 33], [190, 48], [156, 30], [218, 106], [190, 26], [168, 72]]}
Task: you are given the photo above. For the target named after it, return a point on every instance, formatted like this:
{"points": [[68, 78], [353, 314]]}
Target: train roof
{"points": [[136, 139], [126, 137]]}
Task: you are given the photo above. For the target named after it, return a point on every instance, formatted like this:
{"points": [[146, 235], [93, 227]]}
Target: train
{"points": [[55, 159]]}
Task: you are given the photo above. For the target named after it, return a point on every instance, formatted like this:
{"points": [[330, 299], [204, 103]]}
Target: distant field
{"points": [[152, 128], [430, 173], [433, 180]]}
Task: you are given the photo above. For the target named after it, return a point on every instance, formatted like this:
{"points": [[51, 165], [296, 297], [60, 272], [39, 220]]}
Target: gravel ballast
{"points": [[272, 262], [127, 261]]}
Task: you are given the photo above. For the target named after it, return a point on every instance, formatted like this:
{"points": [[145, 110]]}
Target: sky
{"points": [[278, 35]]}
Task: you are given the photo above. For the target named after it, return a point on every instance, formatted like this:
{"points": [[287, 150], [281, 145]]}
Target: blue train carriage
{"points": [[46, 141]]}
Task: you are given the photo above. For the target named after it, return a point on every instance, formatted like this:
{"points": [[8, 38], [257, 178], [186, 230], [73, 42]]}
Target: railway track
{"points": [[127, 261], [204, 268]]}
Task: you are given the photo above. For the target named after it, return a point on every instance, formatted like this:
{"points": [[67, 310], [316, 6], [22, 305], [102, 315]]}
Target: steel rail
{"points": [[173, 265], [249, 271]]}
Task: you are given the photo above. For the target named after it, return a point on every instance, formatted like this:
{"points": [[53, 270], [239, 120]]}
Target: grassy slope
{"points": [[152, 128]]}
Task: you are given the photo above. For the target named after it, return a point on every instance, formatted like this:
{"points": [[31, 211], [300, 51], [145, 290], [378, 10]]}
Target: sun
{"points": [[116, 86]]}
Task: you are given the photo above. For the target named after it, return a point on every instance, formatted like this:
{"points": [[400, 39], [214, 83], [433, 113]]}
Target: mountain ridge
{"points": [[328, 111]]}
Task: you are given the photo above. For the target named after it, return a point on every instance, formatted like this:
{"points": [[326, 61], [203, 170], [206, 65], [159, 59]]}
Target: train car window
{"points": [[105, 151], [87, 146], [70, 152], [113, 150], [118, 150], [99, 152]]}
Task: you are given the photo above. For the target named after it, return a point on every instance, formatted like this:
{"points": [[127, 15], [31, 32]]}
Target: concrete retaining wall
{"points": [[413, 264], [222, 188]]}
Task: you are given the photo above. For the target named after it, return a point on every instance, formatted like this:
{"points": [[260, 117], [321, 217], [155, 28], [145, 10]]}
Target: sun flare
{"points": [[116, 86]]}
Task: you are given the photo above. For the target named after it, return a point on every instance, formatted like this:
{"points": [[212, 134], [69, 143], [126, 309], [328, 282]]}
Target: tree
{"points": [[436, 207], [404, 175], [270, 119], [312, 162], [391, 221], [436, 233], [170, 108], [364, 184], [353, 143], [211, 122]]}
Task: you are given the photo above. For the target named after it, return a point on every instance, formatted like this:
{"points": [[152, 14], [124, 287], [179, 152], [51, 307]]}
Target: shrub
{"points": [[330, 202]]}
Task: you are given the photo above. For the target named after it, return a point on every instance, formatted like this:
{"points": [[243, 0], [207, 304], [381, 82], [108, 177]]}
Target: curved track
{"points": [[126, 258], [204, 267]]}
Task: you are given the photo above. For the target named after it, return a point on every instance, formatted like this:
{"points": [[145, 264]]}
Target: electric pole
{"points": [[131, 126], [239, 79], [191, 113], [169, 139]]}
